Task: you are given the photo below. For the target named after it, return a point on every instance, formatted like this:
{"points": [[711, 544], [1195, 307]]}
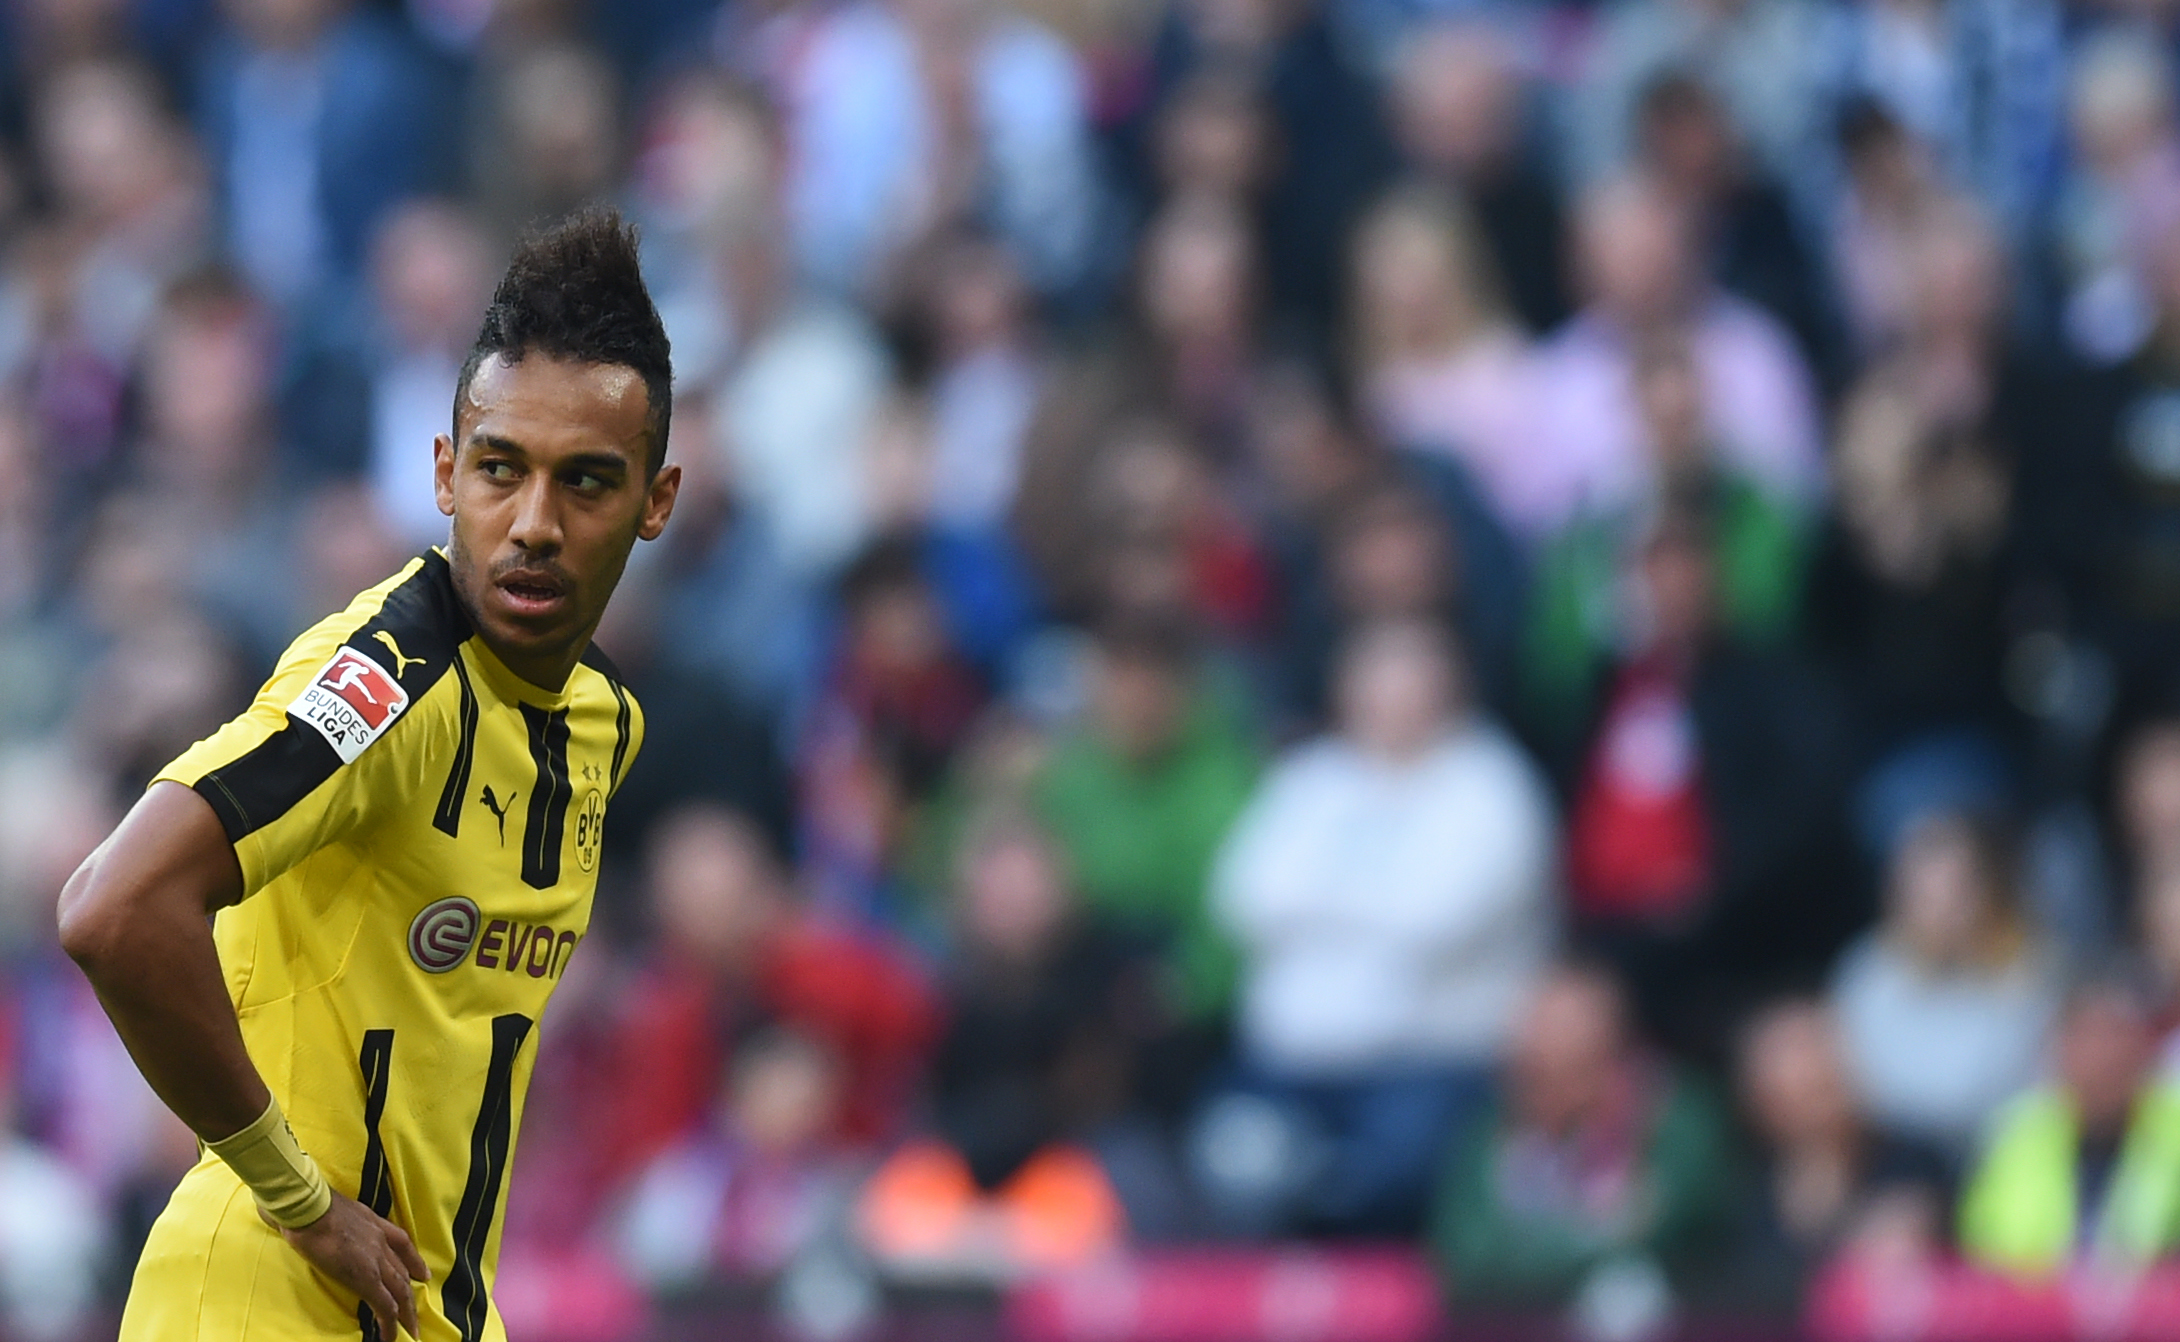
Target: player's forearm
{"points": [[133, 917], [170, 1007]]}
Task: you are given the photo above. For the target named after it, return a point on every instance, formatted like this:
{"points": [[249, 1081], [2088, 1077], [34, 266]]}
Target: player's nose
{"points": [[536, 524]]}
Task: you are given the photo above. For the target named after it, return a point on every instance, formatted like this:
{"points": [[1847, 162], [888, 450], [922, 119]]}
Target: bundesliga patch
{"points": [[351, 702]]}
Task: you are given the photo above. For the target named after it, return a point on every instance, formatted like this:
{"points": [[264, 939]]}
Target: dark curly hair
{"points": [[575, 291]]}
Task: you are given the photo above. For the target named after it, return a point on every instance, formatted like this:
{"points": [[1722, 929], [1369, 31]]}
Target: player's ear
{"points": [[658, 505], [442, 472]]}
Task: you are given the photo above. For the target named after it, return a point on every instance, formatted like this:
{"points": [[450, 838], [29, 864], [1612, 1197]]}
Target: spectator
{"points": [[1773, 64], [1458, 115], [2123, 196], [899, 698], [1391, 551], [1176, 369], [906, 117], [1933, 71], [53, 1241], [2158, 922], [1141, 792], [1890, 183], [131, 216], [1701, 840], [1744, 225], [710, 158], [1390, 891], [1145, 526], [1824, 1178], [1336, 153], [1925, 544], [2146, 803], [1055, 1022], [798, 401], [211, 454], [744, 624], [1440, 361], [26, 568], [1577, 619], [972, 313], [546, 135], [1945, 1008], [1354, 532], [735, 946], [2108, 494], [2085, 1168], [1197, 292], [1635, 249], [1214, 138], [319, 116], [760, 1184], [1043, 1152], [1599, 1159], [430, 273]]}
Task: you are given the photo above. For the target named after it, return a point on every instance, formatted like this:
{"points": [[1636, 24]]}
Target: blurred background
{"points": [[1329, 669]]}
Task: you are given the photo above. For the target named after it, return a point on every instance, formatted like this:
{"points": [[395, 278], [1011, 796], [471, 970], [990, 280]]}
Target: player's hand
{"points": [[368, 1254]]}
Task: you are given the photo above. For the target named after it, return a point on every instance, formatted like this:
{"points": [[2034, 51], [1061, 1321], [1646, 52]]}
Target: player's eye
{"points": [[498, 470]]}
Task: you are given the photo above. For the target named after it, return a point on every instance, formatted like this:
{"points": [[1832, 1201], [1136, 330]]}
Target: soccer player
{"points": [[400, 842]]}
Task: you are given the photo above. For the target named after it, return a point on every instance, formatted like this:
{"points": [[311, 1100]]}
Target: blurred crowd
{"points": [[1550, 629]]}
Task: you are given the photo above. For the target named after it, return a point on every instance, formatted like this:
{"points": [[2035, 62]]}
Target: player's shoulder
{"points": [[357, 672], [356, 677]]}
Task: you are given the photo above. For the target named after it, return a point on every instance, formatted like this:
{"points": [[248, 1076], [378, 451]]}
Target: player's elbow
{"points": [[88, 916]]}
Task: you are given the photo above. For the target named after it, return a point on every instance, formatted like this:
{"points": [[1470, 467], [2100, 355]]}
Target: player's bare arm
{"points": [[134, 917]]}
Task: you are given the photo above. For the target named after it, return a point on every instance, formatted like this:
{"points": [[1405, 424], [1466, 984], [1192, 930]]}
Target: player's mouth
{"points": [[530, 594]]}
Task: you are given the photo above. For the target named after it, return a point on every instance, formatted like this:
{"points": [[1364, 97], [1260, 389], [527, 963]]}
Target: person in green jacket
{"points": [[1597, 1158], [2087, 1168], [1578, 606], [1141, 793]]}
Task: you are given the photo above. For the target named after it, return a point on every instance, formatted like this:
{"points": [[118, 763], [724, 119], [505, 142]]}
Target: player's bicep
{"points": [[168, 856]]}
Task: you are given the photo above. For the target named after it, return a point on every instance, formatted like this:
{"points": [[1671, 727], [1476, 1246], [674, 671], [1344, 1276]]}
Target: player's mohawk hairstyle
{"points": [[575, 291]]}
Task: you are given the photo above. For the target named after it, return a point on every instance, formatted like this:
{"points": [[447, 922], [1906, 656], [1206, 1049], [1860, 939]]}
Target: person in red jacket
{"points": [[736, 952]]}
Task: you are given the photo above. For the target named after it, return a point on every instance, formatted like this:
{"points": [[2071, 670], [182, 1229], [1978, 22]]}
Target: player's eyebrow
{"points": [[589, 461], [592, 461], [498, 444]]}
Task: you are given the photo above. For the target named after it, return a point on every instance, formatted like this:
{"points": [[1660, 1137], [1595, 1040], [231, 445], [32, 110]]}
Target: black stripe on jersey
{"points": [[463, 1297], [424, 621], [620, 735], [376, 1190], [549, 796], [448, 818]]}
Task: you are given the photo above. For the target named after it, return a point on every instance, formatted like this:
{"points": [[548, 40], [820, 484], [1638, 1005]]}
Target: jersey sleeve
{"points": [[305, 765]]}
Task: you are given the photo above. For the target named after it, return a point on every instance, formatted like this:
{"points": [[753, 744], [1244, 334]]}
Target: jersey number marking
{"points": [[463, 1296]]}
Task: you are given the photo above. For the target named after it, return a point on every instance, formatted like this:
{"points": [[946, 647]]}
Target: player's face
{"points": [[548, 492]]}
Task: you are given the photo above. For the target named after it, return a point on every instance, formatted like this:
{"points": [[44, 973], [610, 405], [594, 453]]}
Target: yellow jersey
{"points": [[418, 831]]}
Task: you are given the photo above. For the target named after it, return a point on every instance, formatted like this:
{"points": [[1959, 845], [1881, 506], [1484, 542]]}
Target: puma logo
{"points": [[499, 810], [402, 662]]}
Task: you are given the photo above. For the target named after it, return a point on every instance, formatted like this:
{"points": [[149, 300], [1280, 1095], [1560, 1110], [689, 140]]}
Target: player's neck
{"points": [[546, 672]]}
